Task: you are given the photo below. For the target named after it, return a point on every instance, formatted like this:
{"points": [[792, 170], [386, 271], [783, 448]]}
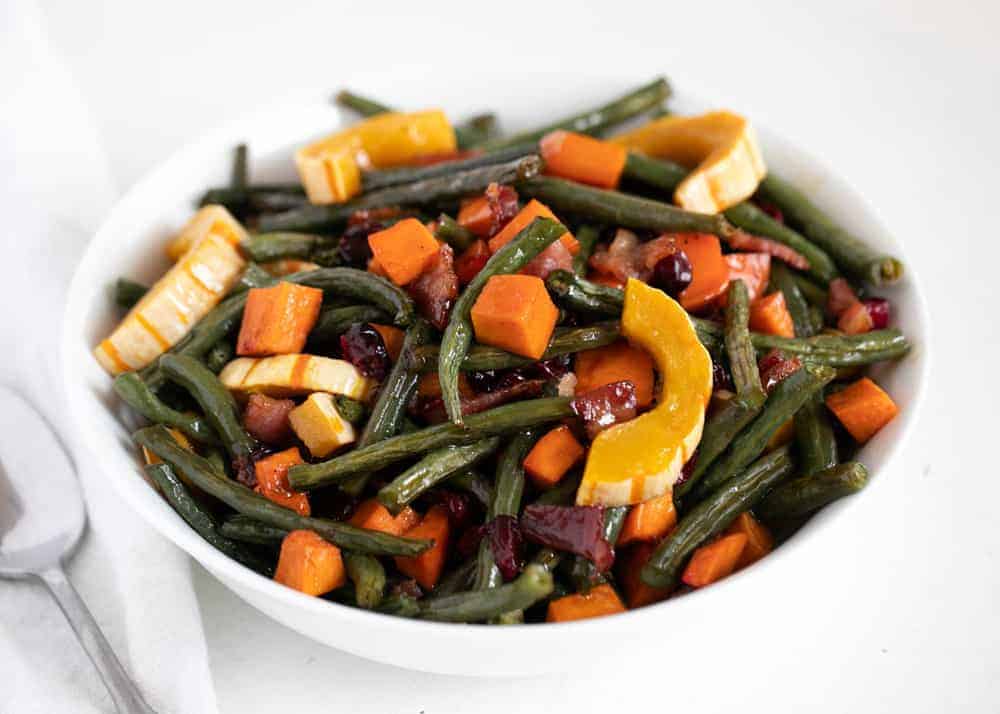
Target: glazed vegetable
{"points": [[285, 375], [272, 481], [739, 348], [320, 424], [616, 362], [277, 320], [267, 247], [759, 542], [241, 499], [495, 422], [649, 520], [863, 408], [769, 315], [434, 468], [814, 436], [596, 120], [786, 399], [426, 567], [533, 585], [203, 522], [368, 576], [457, 336], [713, 515], [621, 209], [362, 105], [532, 210], [214, 221], [377, 179], [219, 356], [404, 250], [218, 406], [309, 218], [250, 530], [363, 287], [457, 236], [554, 454], [714, 561], [476, 130], [373, 516], [333, 322], [310, 564], [128, 293], [599, 601], [586, 237], [509, 483], [134, 392], [851, 254], [579, 294], [582, 158], [473, 484], [802, 496], [795, 302], [514, 313], [664, 175], [583, 572]]}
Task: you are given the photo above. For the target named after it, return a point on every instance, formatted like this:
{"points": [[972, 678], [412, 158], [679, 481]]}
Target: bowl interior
{"points": [[131, 244]]}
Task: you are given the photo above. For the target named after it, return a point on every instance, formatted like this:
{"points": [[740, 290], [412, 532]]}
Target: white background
{"points": [[902, 98]]}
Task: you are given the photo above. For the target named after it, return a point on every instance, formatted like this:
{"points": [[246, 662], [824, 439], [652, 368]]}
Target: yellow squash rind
{"points": [[642, 458], [294, 374], [720, 146]]}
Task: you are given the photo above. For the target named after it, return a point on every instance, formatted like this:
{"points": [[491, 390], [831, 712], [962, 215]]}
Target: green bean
{"points": [[664, 175], [493, 422], [217, 404], [563, 493], [804, 495], [368, 576], [596, 120], [459, 579], [487, 574], [547, 558], [265, 247], [240, 177], [753, 220], [565, 340], [250, 530], [532, 585], [241, 499], [739, 348], [457, 337], [253, 276], [720, 430], [351, 410], [362, 105], [218, 460], [265, 198], [815, 318], [475, 130], [473, 484], [713, 515], [128, 293], [389, 410], [134, 392], [786, 399], [798, 307], [509, 484], [399, 605], [360, 285], [814, 436], [310, 217], [578, 294], [620, 209], [457, 236], [854, 257], [587, 236], [219, 356], [335, 321], [811, 291], [378, 179], [431, 470], [201, 520], [583, 572]]}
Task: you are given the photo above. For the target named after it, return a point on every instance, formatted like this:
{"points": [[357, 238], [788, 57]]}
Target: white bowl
{"points": [[130, 244]]}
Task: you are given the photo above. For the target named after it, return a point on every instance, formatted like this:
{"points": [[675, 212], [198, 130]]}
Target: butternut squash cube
{"points": [[515, 313], [310, 564], [404, 250]]}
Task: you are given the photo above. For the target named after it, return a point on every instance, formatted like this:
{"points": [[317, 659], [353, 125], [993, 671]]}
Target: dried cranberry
{"points": [[353, 244], [458, 505], [266, 419], [468, 542], [878, 311], [578, 529], [720, 377], [493, 379], [507, 543], [553, 368], [672, 273], [775, 366], [687, 469], [363, 347], [605, 406], [333, 503]]}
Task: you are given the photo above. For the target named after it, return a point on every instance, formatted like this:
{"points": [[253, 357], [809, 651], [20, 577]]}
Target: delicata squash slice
{"points": [[720, 146], [642, 458], [296, 374]]}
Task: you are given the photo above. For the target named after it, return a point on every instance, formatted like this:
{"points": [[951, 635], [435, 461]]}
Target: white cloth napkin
{"points": [[55, 189]]}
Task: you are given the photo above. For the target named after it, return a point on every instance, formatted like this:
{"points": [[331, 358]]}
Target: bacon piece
{"points": [[619, 260], [605, 406], [840, 297], [435, 290], [266, 419], [472, 261], [775, 366], [755, 244], [578, 529], [432, 410], [555, 257], [502, 200]]}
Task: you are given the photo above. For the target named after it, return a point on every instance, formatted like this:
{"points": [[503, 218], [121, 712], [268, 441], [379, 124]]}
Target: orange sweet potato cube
{"points": [[310, 564], [373, 516], [602, 600], [532, 210], [392, 337], [637, 593], [404, 250], [515, 313], [426, 568], [277, 320], [714, 561], [272, 480], [863, 408], [616, 362], [649, 520], [759, 539], [552, 456]]}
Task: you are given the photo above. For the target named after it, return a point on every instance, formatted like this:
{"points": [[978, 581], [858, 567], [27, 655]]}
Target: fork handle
{"points": [[123, 691]]}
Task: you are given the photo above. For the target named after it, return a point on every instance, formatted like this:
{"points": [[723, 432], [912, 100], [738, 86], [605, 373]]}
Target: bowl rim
{"points": [[145, 501]]}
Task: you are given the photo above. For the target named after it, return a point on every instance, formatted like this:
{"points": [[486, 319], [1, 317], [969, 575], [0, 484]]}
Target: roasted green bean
{"points": [[804, 495]]}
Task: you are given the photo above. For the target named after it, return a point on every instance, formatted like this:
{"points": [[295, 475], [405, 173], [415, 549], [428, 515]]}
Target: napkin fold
{"points": [[56, 189]]}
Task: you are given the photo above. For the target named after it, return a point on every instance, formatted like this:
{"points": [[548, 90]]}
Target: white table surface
{"points": [[903, 98]]}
